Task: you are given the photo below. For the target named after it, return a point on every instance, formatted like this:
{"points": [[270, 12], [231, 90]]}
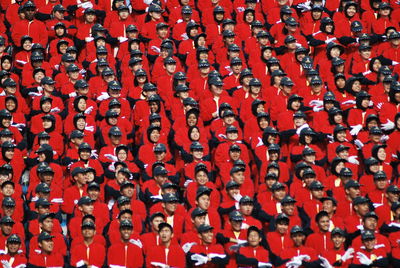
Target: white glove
{"points": [[353, 159], [89, 128], [389, 125], [159, 264], [35, 94], [20, 126], [103, 96], [293, 264], [237, 197], [302, 258], [184, 36], [349, 102], [147, 2], [158, 197], [384, 138], [241, 241], [304, 6], [360, 227], [187, 182], [86, 5], [317, 108], [72, 94], [348, 255], [136, 242], [264, 264], [395, 62], [215, 255], [358, 144], [363, 259], [39, 88], [371, 103], [379, 105], [301, 128], [122, 39], [324, 262], [330, 138], [355, 129], [6, 264], [111, 157], [244, 226], [55, 110], [94, 154], [235, 247], [200, 259], [89, 110], [89, 39], [186, 247]]}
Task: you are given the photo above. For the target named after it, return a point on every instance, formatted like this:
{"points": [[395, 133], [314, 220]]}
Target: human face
{"points": [[195, 134], [338, 241], [236, 225], [126, 233], [165, 235], [369, 244], [381, 154], [351, 11], [27, 45], [362, 209], [204, 202], [201, 177], [47, 245], [288, 209], [88, 232], [198, 154], [323, 224], [246, 209], [191, 120], [6, 65], [298, 239], [87, 209], [216, 90], [207, 237], [279, 194], [263, 123], [13, 247], [328, 206], [170, 207], [282, 227], [238, 177], [232, 136], [381, 184], [47, 225], [161, 179], [155, 136]]}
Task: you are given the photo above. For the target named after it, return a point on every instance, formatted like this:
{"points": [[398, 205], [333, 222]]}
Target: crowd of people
{"points": [[209, 133]]}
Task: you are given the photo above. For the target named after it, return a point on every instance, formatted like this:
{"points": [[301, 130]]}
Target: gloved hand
{"points": [[122, 39], [156, 197], [303, 257], [360, 227], [316, 103], [72, 94], [156, 49], [20, 126], [244, 226], [187, 182], [330, 138], [304, 7], [389, 125], [293, 264], [35, 94], [147, 2], [6, 264], [89, 110], [363, 259], [39, 88], [301, 128], [355, 129], [394, 62], [264, 264], [89, 128], [353, 159], [324, 262], [94, 154], [136, 242], [186, 247], [89, 39], [215, 255], [86, 5], [371, 103], [349, 102], [184, 36], [358, 144], [159, 264], [241, 241], [199, 259], [317, 109], [384, 138], [237, 197], [103, 96], [55, 110], [111, 157]]}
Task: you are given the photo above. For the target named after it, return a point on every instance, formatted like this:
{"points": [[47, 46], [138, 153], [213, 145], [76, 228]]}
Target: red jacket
{"points": [[120, 254], [93, 254], [172, 256]]}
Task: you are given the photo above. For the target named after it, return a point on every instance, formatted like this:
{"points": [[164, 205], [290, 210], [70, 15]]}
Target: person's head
{"points": [[361, 205], [46, 243], [166, 233], [155, 220], [206, 233], [46, 222], [278, 191], [88, 229], [380, 180], [201, 174], [282, 223], [352, 189], [203, 197], [323, 221], [254, 236], [13, 244], [170, 203], [329, 204], [85, 205], [298, 236], [125, 229], [29, 9], [237, 174], [368, 240], [288, 204], [198, 217], [246, 205], [338, 237]]}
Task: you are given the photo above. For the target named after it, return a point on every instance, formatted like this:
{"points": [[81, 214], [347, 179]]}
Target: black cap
{"points": [[44, 148], [286, 81], [395, 206], [7, 220], [360, 200], [42, 188], [45, 216], [291, 21], [246, 200], [196, 146], [85, 200], [231, 184], [94, 185], [114, 85], [336, 61], [125, 224], [13, 239], [88, 225], [170, 198], [393, 189], [169, 185], [352, 184], [160, 148], [371, 214], [308, 151], [160, 171], [277, 186], [123, 200], [329, 198], [78, 170], [236, 216], [8, 202], [44, 236], [282, 217], [296, 229], [47, 81], [380, 175], [186, 10], [204, 228], [356, 26], [337, 231], [42, 202], [288, 200], [367, 235], [346, 172], [76, 134], [203, 190], [198, 212], [316, 185]]}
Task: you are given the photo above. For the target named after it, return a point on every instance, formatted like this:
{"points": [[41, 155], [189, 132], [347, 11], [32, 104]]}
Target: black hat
{"points": [[72, 68], [125, 224], [81, 83], [59, 8], [271, 175], [337, 231], [286, 81], [367, 235], [89, 11], [160, 171], [42, 202], [196, 146], [45, 216], [115, 131], [228, 33], [131, 28], [94, 185], [204, 228], [7, 220], [8, 202], [290, 39], [316, 80], [107, 71], [262, 34], [114, 85], [155, 8], [393, 189], [47, 81], [375, 131], [329, 198], [232, 184], [231, 129], [44, 148], [364, 47], [371, 214], [44, 236], [255, 82], [236, 169], [203, 190], [198, 212], [308, 151], [149, 87], [246, 200], [186, 10], [85, 200], [218, 9], [236, 61], [395, 206], [236, 216], [189, 101], [286, 10], [291, 21], [380, 175], [170, 197], [288, 200], [123, 200], [356, 26], [336, 61], [309, 172], [307, 63], [42, 188], [29, 4], [75, 134], [394, 35], [78, 170], [160, 148], [88, 225], [316, 185], [282, 217], [360, 200], [277, 186], [296, 229], [13, 239], [8, 145], [352, 184], [346, 172]]}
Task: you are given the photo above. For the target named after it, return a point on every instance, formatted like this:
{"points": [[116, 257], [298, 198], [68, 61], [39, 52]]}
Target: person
{"points": [[46, 256]]}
